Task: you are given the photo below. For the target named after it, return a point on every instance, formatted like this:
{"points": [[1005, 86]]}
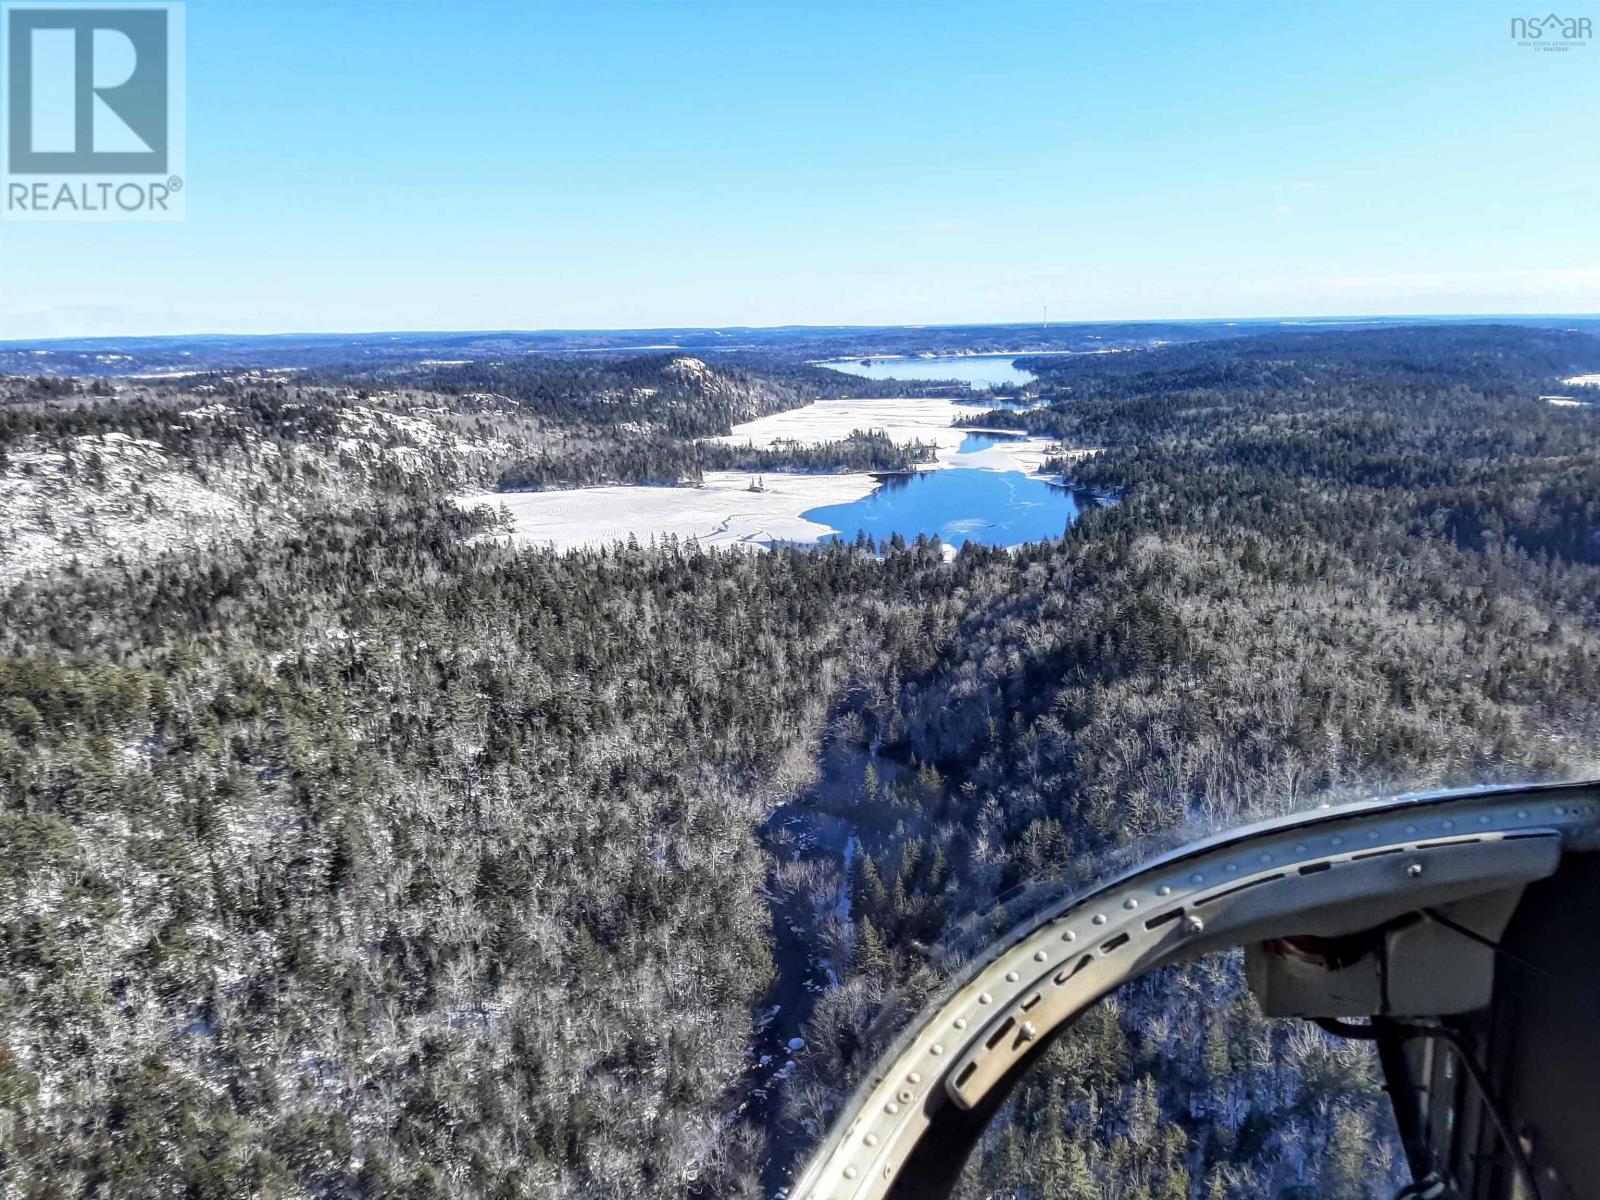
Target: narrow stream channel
{"points": [[812, 829]]}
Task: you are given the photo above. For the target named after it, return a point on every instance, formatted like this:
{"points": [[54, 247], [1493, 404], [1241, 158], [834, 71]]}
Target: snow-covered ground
{"points": [[1583, 381], [904, 419], [725, 512]]}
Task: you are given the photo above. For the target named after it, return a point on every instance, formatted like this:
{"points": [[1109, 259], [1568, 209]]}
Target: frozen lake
{"points": [[983, 487]]}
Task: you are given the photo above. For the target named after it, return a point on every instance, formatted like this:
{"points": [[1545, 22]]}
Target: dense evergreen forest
{"points": [[675, 460], [353, 851], [675, 394]]}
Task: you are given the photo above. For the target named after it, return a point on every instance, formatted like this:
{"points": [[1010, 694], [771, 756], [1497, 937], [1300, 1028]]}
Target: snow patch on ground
{"points": [[904, 419], [724, 512], [691, 368]]}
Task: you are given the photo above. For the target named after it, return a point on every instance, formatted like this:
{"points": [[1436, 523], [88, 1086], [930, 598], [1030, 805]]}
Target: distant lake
{"points": [[979, 370], [957, 505]]}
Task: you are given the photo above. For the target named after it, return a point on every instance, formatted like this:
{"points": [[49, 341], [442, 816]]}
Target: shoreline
{"points": [[723, 511]]}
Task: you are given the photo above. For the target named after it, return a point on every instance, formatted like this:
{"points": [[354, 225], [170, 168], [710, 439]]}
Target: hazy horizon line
{"points": [[570, 331]]}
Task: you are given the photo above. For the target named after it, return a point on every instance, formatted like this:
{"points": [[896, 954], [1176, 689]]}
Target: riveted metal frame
{"points": [[1330, 871]]}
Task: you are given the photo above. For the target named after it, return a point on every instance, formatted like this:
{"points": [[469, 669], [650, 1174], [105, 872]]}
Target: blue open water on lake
{"points": [[957, 505], [975, 442]]}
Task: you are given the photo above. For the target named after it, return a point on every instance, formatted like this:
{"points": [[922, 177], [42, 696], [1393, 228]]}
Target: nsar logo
{"points": [[1551, 32], [93, 111]]}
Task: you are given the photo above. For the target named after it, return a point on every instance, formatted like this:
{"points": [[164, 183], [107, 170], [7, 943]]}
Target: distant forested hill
{"points": [[678, 395], [351, 853]]}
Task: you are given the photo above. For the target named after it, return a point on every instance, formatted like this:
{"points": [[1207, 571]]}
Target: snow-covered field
{"points": [[722, 513], [725, 512], [904, 419], [1583, 381]]}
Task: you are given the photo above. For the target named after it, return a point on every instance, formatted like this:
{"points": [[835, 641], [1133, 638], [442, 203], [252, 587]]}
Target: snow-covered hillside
{"points": [[219, 472]]}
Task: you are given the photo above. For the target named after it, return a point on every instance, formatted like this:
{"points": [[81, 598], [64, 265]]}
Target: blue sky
{"points": [[418, 164]]}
